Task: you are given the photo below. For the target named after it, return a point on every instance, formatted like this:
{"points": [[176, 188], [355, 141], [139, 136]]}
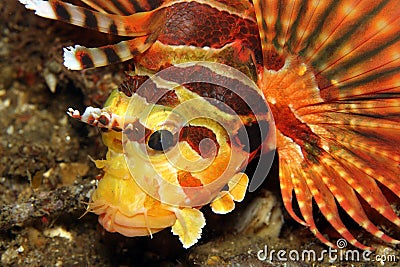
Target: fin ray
{"points": [[79, 57], [137, 24], [122, 7], [340, 88]]}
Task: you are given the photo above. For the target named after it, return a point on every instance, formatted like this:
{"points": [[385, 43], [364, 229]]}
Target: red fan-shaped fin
{"points": [[336, 104]]}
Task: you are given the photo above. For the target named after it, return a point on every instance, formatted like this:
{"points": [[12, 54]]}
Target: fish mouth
{"points": [[125, 208], [141, 224]]}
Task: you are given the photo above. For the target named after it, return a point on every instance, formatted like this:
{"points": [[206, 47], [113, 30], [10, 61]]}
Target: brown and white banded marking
{"points": [[98, 117], [79, 57], [83, 17]]}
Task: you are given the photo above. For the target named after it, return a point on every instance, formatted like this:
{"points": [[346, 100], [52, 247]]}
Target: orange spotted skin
{"points": [[328, 70]]}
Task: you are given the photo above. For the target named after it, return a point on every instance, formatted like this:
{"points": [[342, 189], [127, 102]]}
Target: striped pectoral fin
{"points": [[80, 57], [138, 24], [340, 141], [224, 202], [352, 46], [188, 226]]}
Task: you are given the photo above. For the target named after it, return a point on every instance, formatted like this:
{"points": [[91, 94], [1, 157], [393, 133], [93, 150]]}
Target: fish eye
{"points": [[161, 140]]}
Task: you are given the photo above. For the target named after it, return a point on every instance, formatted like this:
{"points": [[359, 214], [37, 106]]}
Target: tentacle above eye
{"points": [[98, 117]]}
